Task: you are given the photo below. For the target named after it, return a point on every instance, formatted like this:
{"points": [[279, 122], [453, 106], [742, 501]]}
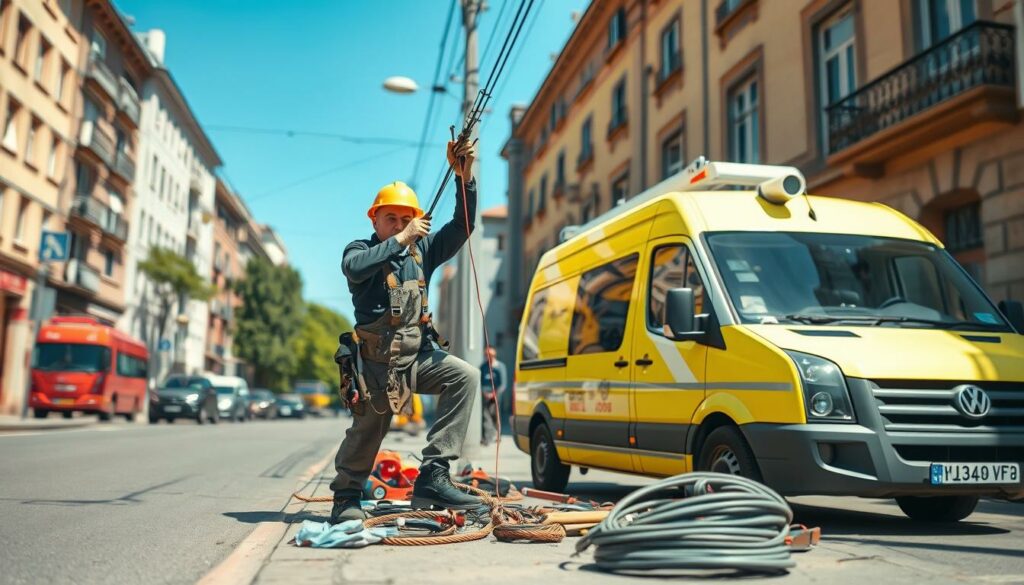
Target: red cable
{"points": [[483, 319]]}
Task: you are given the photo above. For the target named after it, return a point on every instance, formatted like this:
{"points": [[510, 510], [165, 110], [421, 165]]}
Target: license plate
{"points": [[172, 408], [65, 387], [961, 473], [286, 411], [63, 401]]}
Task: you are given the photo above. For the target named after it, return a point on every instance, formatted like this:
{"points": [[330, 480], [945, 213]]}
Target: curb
{"points": [[43, 426]]}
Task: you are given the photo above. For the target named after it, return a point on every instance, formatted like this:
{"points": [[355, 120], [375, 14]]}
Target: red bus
{"points": [[80, 364]]}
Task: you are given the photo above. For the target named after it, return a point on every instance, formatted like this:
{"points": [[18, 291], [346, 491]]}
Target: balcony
{"points": [[93, 139], [195, 183], [956, 91], [124, 166], [78, 273], [95, 212], [128, 101], [195, 219], [97, 71]]}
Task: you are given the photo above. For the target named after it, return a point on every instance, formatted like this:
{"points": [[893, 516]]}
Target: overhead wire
{"points": [[324, 173], [293, 133], [413, 178]]}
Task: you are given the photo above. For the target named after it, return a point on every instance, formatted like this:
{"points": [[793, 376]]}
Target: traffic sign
{"points": [[53, 247], [165, 345]]}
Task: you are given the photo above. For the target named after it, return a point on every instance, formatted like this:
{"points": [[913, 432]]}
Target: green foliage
{"points": [[269, 318], [314, 345], [174, 279]]}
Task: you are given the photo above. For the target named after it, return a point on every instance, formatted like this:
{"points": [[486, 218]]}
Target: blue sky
{"points": [[318, 66]]}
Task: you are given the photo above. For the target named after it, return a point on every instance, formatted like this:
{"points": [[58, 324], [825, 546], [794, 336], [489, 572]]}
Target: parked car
{"points": [[290, 406], [316, 396], [232, 397], [262, 404], [183, 396], [82, 365]]}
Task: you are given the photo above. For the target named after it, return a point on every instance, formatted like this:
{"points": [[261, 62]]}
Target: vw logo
{"points": [[972, 401]]}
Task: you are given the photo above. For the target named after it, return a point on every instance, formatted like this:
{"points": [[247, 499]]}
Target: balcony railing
{"points": [[979, 55], [99, 214], [124, 166], [128, 101], [78, 273], [92, 138], [98, 71]]}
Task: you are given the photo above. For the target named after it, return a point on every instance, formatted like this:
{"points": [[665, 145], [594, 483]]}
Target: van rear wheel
{"points": [[726, 451], [937, 508], [548, 471]]}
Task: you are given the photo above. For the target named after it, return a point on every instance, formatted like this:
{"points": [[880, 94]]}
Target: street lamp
{"points": [[400, 84]]}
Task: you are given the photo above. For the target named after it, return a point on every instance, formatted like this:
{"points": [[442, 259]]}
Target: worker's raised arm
{"points": [[443, 244]]}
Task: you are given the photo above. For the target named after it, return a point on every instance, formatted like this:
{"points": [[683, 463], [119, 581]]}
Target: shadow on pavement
{"points": [[834, 521], [729, 574], [129, 498]]}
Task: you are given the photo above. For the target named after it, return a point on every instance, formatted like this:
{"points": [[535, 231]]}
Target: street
{"points": [[134, 503]]}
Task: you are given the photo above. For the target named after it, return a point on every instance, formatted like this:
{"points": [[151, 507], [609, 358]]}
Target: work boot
{"points": [[434, 487], [346, 507]]}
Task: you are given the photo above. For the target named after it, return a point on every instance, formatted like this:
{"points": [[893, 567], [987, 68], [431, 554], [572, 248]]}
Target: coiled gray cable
{"points": [[725, 522]]}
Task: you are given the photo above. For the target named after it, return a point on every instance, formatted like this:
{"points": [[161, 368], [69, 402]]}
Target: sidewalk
{"points": [[491, 561], [10, 422]]}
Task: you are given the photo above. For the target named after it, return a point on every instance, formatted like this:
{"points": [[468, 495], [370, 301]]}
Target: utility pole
{"points": [[468, 326]]}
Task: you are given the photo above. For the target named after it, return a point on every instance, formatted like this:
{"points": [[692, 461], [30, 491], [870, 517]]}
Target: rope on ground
{"points": [[729, 522]]}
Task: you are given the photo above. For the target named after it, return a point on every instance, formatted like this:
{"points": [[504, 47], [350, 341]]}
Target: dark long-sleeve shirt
{"points": [[363, 261]]}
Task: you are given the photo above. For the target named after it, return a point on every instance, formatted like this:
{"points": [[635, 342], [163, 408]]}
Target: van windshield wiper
{"points": [[874, 320], [829, 319]]}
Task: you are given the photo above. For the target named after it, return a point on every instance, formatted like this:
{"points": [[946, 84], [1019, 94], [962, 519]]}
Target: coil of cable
{"points": [[724, 522]]}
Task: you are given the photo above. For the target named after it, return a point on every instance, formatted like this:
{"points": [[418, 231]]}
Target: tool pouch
{"points": [[351, 388]]}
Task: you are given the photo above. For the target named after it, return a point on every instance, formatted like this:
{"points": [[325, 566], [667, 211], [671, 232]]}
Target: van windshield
{"points": [[70, 357], [838, 279]]}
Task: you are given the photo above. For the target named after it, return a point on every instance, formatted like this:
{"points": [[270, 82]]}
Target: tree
{"points": [[270, 316], [314, 345], [175, 280]]}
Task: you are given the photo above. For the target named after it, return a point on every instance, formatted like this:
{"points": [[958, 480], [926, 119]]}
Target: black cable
{"points": [[497, 23], [433, 94], [515, 59]]}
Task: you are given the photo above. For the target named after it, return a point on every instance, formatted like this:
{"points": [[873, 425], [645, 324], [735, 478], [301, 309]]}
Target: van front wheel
{"points": [[937, 508], [549, 473], [726, 451]]}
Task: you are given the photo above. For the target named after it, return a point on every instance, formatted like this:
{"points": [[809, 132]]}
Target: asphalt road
{"points": [[135, 503]]}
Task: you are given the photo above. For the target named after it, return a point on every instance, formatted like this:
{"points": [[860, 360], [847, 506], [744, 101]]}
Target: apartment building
{"points": [[913, 103]]}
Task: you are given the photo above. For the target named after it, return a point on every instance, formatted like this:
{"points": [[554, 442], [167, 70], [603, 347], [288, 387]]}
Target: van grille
{"points": [[915, 405], [956, 454]]}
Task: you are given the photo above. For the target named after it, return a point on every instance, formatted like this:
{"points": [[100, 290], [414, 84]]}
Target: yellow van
{"points": [[820, 345]]}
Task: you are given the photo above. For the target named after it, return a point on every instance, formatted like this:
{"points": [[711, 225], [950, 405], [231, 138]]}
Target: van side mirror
{"points": [[1014, 313], [679, 314]]}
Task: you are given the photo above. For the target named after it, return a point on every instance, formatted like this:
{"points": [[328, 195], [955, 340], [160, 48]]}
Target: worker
{"points": [[388, 276], [493, 395]]}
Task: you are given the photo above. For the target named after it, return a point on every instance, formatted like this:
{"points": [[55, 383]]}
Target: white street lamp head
{"points": [[399, 84]]}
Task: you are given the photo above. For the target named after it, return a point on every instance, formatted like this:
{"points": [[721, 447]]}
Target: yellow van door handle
{"points": [[622, 363], [644, 361]]}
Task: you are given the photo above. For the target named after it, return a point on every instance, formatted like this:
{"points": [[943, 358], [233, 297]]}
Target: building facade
{"points": [[494, 281], [173, 209], [39, 93], [913, 103]]}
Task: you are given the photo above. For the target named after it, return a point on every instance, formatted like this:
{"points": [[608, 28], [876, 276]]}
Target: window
{"points": [[150, 232], [672, 155], [530, 207], [19, 227], [44, 53], [21, 43], [85, 178], [671, 267], [501, 242], [743, 123], [618, 105], [836, 44], [122, 140], [586, 140], [560, 171], [620, 189], [98, 46], [670, 57], [553, 116], [62, 81], [91, 112], [963, 228], [163, 182], [602, 304], [130, 366], [30, 142], [617, 28], [108, 262], [152, 173], [10, 141], [499, 288], [543, 199], [531, 336], [51, 161], [940, 19]]}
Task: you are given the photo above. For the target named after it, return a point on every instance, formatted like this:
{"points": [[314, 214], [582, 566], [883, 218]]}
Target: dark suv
{"points": [[184, 396]]}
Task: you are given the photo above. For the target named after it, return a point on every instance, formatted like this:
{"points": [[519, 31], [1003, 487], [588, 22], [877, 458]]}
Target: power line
{"points": [[515, 59], [309, 178], [433, 94], [293, 133], [497, 24]]}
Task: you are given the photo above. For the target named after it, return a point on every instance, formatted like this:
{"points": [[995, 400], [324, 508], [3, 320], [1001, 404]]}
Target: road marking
{"points": [[245, 562]]}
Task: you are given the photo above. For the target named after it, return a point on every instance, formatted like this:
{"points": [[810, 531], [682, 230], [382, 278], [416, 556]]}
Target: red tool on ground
{"points": [[390, 479]]}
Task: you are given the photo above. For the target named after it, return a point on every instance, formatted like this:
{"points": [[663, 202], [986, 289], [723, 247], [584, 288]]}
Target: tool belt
{"points": [[352, 387]]}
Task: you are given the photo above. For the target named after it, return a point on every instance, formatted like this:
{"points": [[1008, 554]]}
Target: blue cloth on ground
{"points": [[348, 534]]}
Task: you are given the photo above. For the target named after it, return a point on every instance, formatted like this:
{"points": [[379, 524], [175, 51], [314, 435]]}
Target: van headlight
{"points": [[825, 393]]}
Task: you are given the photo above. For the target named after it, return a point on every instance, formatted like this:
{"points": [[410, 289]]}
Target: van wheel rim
{"points": [[723, 460], [540, 457]]}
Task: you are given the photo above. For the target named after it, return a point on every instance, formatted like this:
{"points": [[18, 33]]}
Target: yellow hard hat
{"points": [[396, 193]]}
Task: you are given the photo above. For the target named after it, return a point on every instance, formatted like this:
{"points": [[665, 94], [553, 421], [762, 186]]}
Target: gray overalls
{"points": [[396, 362]]}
